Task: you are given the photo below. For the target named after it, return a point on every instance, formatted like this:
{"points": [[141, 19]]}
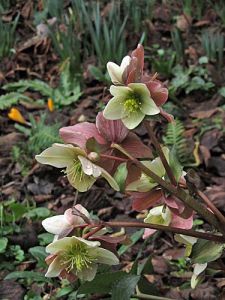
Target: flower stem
{"points": [[176, 191], [215, 210], [160, 152], [113, 157], [188, 232]]}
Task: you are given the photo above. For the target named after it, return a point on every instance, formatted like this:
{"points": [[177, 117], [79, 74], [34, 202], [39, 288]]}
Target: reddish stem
{"points": [[113, 157]]}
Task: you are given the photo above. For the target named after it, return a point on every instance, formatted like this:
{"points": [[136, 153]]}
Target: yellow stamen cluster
{"points": [[132, 105], [75, 170], [77, 257]]}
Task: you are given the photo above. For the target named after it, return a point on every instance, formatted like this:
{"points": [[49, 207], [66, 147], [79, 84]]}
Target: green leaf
{"points": [[64, 291], [39, 212], [125, 287], [121, 175], [175, 164], [45, 238], [102, 283], [222, 91], [7, 100], [134, 238], [3, 244], [34, 276], [39, 254], [205, 251]]}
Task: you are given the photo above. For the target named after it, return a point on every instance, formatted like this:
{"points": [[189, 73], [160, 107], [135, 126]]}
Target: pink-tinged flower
{"points": [[116, 72], [105, 132], [162, 215], [133, 73], [78, 257], [62, 225], [80, 171]]}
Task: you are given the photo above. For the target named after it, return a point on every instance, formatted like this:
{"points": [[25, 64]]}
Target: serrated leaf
{"points": [[206, 251], [125, 287], [102, 283], [7, 100]]}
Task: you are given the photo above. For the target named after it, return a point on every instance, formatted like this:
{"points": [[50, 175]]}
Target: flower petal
{"points": [[110, 180], [89, 168], [55, 268], [88, 273], [133, 145], [104, 256], [58, 155], [80, 133], [113, 131], [115, 73], [56, 224], [120, 91], [59, 245], [149, 107], [148, 232], [114, 109], [81, 182], [133, 120]]}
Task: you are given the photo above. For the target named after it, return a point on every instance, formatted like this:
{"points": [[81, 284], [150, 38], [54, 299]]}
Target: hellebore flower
{"points": [[105, 132], [80, 171], [197, 275], [116, 72], [130, 104], [64, 224], [146, 183], [162, 215], [188, 241], [78, 256]]}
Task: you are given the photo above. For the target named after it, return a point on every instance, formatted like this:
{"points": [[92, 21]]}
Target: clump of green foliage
{"points": [[7, 36]]}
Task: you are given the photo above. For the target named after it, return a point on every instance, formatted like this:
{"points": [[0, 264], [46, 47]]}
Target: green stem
{"points": [[160, 153], [176, 191]]}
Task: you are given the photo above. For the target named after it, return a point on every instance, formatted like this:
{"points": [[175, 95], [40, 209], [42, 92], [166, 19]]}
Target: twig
{"points": [[215, 210], [188, 232], [160, 152]]}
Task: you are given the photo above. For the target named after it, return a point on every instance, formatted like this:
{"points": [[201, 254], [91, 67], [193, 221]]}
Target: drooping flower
{"points": [[197, 275], [79, 257], [130, 104], [162, 215], [116, 72], [188, 241], [62, 225], [16, 116], [105, 132], [80, 171]]}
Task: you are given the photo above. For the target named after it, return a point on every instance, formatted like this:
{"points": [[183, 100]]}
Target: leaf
{"points": [[3, 244], [222, 91], [39, 254], [102, 283], [7, 100], [34, 276], [134, 238], [45, 238], [64, 291], [125, 287], [175, 164], [38, 212], [206, 251], [121, 175]]}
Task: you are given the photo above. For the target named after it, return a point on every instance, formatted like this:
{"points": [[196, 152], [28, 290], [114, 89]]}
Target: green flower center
{"points": [[132, 105], [77, 257], [75, 170]]}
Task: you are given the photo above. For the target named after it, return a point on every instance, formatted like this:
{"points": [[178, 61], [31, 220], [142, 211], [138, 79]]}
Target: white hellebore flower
{"points": [[79, 257], [116, 72], [63, 224], [197, 277], [80, 171], [160, 215]]}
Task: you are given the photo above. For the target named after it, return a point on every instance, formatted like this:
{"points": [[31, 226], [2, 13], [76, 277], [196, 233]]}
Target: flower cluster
{"points": [[91, 151], [75, 256]]}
